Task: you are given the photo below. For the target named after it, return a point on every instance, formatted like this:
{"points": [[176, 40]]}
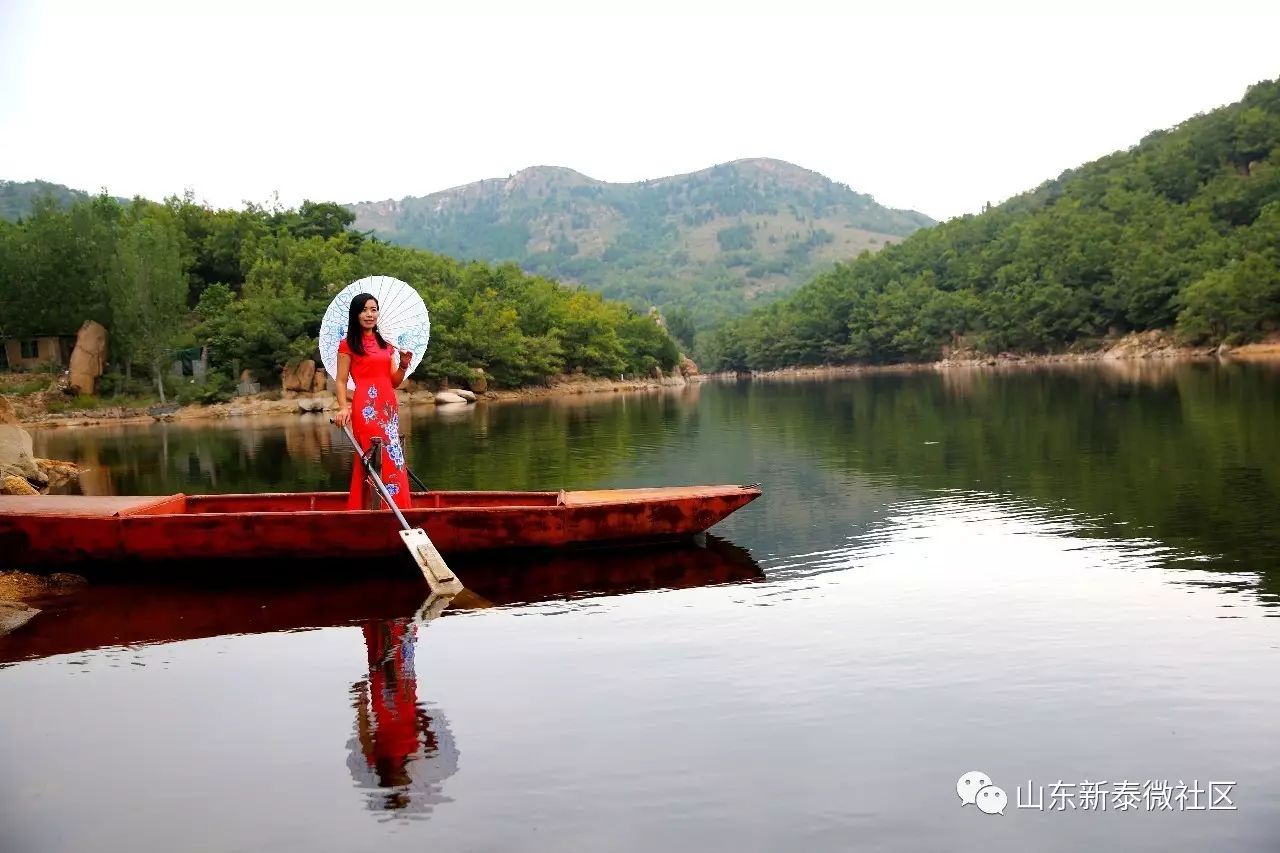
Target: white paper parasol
{"points": [[402, 320]]}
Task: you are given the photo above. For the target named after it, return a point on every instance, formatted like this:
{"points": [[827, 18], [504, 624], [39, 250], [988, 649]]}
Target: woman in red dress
{"points": [[367, 358]]}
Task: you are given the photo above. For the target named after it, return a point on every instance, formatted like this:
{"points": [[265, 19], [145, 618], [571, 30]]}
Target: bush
{"points": [[216, 387], [116, 385]]}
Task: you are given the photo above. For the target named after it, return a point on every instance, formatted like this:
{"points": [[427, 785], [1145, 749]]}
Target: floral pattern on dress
{"points": [[396, 452]]}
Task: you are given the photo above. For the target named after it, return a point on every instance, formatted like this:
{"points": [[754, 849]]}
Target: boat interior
{"points": [[337, 501]]}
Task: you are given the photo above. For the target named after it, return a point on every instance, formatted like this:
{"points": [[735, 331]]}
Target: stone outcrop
{"points": [[687, 367], [306, 375], [17, 586], [58, 473], [24, 586], [15, 614], [89, 358], [478, 381], [445, 397], [320, 381], [299, 377], [18, 466], [12, 484], [15, 454]]}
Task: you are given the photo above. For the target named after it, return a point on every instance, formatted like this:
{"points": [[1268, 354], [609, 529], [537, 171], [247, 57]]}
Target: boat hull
{"points": [[58, 531]]}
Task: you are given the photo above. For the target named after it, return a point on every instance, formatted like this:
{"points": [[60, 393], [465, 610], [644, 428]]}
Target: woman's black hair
{"points": [[355, 334]]}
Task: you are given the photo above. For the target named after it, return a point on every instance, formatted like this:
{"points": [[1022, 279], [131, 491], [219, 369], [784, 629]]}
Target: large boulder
{"points": [[89, 357], [320, 381], [306, 374], [444, 397], [16, 456], [298, 377], [469, 396], [478, 381], [687, 367]]}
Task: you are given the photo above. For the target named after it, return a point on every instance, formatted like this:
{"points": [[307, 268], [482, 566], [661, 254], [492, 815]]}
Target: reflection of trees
{"points": [[399, 751], [244, 455], [1183, 453], [573, 443], [570, 442]]}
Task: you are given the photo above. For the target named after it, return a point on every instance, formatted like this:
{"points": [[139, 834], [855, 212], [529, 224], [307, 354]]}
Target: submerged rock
{"points": [[15, 614]]}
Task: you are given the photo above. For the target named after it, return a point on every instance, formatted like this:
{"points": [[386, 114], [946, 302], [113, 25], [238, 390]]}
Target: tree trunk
{"points": [[155, 367]]}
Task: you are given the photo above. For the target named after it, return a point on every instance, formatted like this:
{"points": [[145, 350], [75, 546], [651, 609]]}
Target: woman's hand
{"points": [[343, 417], [405, 358]]}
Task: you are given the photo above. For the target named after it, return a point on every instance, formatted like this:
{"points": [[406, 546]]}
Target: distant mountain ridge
{"points": [[708, 245], [18, 197], [712, 242]]}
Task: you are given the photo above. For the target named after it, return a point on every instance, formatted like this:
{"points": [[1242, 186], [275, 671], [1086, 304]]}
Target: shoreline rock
{"points": [[1153, 346], [15, 614], [17, 588]]}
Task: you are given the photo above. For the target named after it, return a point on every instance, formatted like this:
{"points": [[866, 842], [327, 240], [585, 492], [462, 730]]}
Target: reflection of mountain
{"points": [[1182, 453], [119, 614], [399, 752]]}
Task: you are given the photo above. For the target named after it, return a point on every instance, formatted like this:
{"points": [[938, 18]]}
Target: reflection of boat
{"points": [[56, 530], [118, 614]]}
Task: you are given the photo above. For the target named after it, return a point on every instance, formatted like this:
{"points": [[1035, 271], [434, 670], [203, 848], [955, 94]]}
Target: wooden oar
{"points": [[442, 581]]}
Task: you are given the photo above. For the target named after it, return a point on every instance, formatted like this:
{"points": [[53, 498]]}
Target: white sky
{"points": [[363, 100]]}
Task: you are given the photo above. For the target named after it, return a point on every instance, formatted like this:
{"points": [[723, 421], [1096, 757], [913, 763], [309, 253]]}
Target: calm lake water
{"points": [[1058, 577]]}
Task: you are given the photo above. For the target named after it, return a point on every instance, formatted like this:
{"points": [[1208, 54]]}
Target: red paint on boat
{"points": [[60, 530]]}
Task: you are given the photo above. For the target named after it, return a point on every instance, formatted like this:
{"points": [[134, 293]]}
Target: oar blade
{"points": [[440, 579]]}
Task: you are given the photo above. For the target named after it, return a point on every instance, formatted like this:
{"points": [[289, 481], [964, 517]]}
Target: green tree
{"points": [[148, 291]]}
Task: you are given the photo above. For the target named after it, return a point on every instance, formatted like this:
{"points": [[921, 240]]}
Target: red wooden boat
{"points": [[66, 530]]}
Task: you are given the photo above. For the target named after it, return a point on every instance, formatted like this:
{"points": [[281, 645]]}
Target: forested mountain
{"points": [[17, 198], [252, 285], [709, 244], [1181, 231]]}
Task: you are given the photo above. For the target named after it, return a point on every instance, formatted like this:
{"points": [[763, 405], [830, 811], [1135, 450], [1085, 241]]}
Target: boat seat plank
{"points": [[587, 497], [86, 506]]}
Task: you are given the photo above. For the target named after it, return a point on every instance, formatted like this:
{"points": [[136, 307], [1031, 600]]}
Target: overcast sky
{"points": [[365, 100]]}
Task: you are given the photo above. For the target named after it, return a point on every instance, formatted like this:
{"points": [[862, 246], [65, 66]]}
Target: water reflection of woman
{"points": [[398, 748]]}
